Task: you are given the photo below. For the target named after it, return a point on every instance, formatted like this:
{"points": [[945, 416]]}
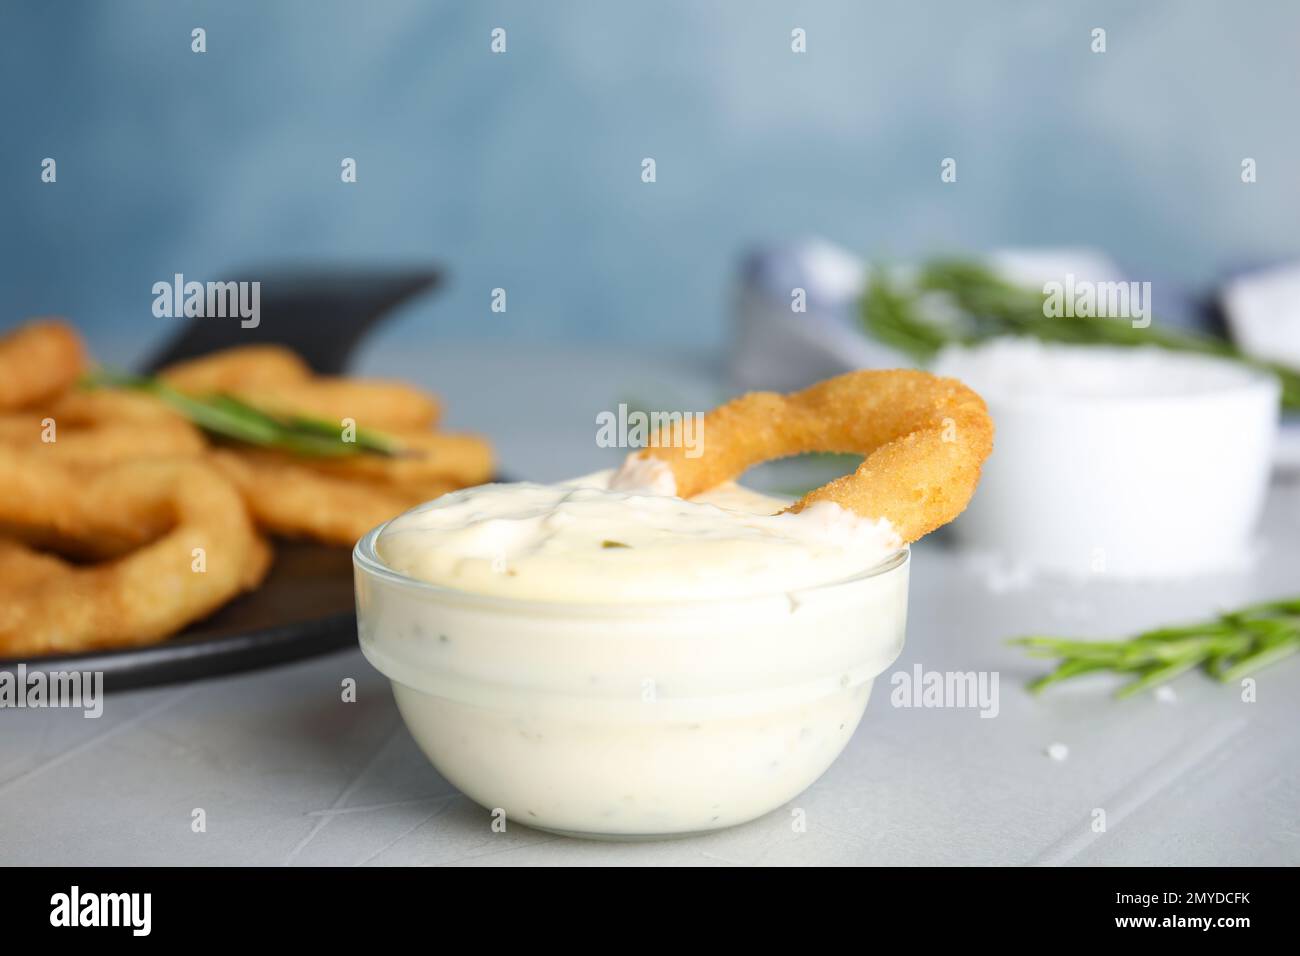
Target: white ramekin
{"points": [[1130, 462], [633, 720]]}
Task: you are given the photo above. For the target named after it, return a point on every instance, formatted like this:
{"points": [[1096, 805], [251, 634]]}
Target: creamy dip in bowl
{"points": [[622, 665]]}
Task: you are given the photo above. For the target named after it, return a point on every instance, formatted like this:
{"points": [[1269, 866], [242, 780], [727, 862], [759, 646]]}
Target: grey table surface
{"points": [[286, 772]]}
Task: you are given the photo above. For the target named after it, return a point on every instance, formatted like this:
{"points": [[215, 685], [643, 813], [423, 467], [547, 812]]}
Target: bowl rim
{"points": [[366, 562]]}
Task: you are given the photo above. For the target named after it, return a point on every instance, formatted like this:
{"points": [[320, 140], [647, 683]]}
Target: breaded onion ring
{"points": [[101, 427], [371, 403], [289, 497], [38, 360], [275, 379], [247, 366], [924, 438], [50, 606], [424, 457]]}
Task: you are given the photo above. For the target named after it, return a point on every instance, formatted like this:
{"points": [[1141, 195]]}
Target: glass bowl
{"points": [[631, 720]]}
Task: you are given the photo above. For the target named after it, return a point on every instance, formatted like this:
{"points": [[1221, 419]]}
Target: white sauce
{"points": [[581, 541], [642, 475]]}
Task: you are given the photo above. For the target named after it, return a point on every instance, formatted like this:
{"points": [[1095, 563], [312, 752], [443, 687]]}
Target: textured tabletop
{"points": [[286, 772]]}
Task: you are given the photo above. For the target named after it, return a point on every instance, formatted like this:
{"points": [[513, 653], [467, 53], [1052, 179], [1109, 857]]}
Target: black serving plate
{"points": [[305, 607]]}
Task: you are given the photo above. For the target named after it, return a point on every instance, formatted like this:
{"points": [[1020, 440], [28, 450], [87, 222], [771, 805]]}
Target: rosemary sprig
{"points": [[977, 304], [228, 417], [1228, 648]]}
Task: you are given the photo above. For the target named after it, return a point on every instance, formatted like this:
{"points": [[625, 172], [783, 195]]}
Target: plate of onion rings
{"points": [[198, 520]]}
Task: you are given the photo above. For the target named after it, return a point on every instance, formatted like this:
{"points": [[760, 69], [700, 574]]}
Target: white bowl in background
{"points": [[1130, 462]]}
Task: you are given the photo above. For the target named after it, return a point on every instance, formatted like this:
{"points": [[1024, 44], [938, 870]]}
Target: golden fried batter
{"points": [[425, 456], [101, 427], [370, 403], [207, 552], [38, 360], [924, 438], [247, 366], [276, 380], [289, 497]]}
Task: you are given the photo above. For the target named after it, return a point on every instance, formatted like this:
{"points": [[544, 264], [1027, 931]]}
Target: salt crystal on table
{"points": [[1058, 752]]}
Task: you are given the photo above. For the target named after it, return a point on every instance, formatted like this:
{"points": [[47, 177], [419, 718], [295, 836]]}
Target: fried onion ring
{"points": [[276, 380], [48, 605], [925, 439], [290, 497], [371, 403], [38, 360], [101, 427], [425, 457], [246, 366]]}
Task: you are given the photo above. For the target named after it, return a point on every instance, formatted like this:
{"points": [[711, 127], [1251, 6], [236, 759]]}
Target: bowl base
{"points": [[625, 837]]}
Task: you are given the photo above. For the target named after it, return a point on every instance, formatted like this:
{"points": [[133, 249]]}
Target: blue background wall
{"points": [[523, 170]]}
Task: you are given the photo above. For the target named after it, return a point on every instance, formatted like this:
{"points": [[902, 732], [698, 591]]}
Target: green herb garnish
{"points": [[614, 544], [977, 304], [231, 418], [1228, 648]]}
